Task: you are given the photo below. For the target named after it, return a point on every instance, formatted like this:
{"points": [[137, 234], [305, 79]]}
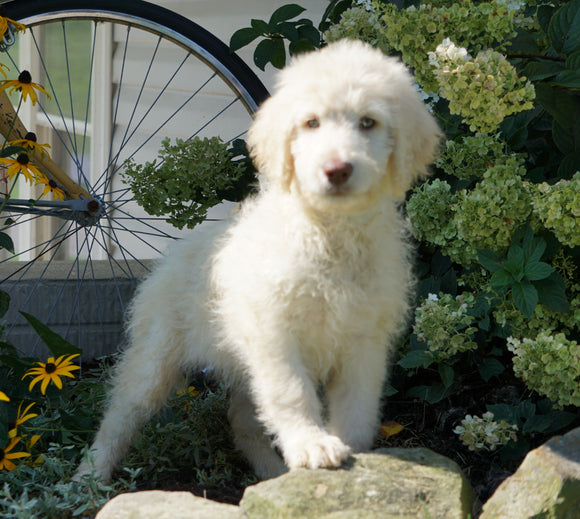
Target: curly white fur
{"points": [[308, 284]]}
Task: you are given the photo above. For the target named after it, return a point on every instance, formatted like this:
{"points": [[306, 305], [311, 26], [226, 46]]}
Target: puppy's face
{"points": [[341, 152], [343, 129]]}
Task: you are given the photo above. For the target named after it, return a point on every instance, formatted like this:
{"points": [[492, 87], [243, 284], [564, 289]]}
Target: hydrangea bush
{"points": [[503, 206], [444, 323], [549, 365]]}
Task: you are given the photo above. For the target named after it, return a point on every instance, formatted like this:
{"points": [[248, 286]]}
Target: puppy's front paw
{"points": [[316, 451]]}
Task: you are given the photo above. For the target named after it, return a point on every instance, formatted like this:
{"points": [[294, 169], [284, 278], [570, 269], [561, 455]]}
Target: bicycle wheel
{"points": [[121, 76]]}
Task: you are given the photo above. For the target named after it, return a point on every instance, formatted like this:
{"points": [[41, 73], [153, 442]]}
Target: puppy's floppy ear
{"points": [[417, 137], [269, 140]]}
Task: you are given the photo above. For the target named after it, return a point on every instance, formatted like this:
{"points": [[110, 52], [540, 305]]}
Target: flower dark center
{"points": [[25, 77], [30, 136], [23, 159], [52, 184], [50, 368]]}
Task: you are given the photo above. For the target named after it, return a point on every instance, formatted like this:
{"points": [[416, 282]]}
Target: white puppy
{"points": [[307, 286]]}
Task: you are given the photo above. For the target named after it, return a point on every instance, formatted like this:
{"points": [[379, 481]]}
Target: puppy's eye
{"points": [[367, 123], [313, 123]]}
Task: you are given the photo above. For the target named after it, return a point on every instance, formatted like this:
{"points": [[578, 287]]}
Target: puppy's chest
{"points": [[338, 286]]}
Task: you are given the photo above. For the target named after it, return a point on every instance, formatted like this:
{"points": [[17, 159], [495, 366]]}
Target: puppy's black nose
{"points": [[337, 171]]}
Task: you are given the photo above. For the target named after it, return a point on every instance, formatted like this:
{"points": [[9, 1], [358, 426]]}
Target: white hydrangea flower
{"points": [[447, 50], [485, 433], [512, 5]]}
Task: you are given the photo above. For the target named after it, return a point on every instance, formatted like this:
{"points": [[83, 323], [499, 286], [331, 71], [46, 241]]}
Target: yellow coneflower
{"points": [[21, 164], [51, 371], [6, 455], [4, 26], [25, 85], [4, 397], [21, 417], [30, 143], [51, 186]]}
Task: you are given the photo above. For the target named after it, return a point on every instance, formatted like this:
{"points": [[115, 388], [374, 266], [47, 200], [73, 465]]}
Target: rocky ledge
{"points": [[387, 483]]}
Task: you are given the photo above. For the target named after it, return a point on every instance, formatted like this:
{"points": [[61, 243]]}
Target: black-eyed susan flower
{"points": [[16, 26], [191, 391], [3, 69], [51, 371], [4, 397], [21, 417], [30, 143], [21, 164], [6, 454], [50, 186], [25, 85]]}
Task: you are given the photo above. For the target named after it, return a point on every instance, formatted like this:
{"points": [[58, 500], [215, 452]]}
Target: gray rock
{"points": [[547, 484], [155, 504], [387, 483]]}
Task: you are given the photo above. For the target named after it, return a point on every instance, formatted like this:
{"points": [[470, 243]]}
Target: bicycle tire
{"points": [[84, 296]]}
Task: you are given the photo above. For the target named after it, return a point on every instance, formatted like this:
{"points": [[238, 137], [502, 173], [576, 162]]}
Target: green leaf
{"points": [[4, 303], [538, 70], [431, 394], [527, 409], [515, 259], [278, 59], [54, 342], [525, 297], [261, 27], [533, 248], [564, 28], [11, 150], [264, 53], [552, 293], [489, 260], [501, 279], [333, 13], [559, 420], [573, 61], [544, 15], [4, 440], [310, 33], [300, 46], [416, 359], [288, 30], [564, 138], [489, 368], [286, 12], [242, 37], [506, 412], [568, 79], [569, 165], [537, 423], [560, 104], [538, 270], [447, 374], [6, 242]]}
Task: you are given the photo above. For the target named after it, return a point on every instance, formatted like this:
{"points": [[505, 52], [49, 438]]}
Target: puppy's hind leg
{"points": [[144, 379], [251, 438]]}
